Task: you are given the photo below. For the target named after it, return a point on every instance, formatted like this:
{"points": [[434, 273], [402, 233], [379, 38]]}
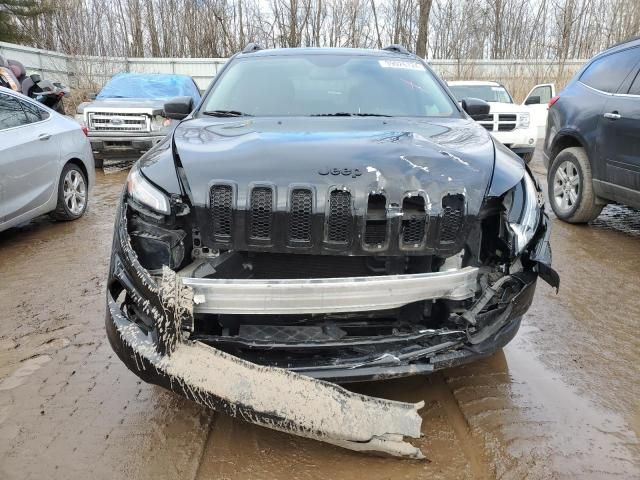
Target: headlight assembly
{"points": [[523, 120], [523, 207], [143, 192]]}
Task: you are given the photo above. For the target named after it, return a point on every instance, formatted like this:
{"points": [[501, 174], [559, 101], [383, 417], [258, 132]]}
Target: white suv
{"points": [[516, 126]]}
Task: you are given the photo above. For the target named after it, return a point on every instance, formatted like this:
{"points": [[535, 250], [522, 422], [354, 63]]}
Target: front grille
{"points": [[452, 218], [499, 122], [118, 122], [506, 127], [221, 201], [339, 216], [375, 233], [300, 215], [261, 212], [413, 220]]}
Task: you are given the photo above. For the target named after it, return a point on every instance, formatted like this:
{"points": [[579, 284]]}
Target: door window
{"points": [[607, 73], [635, 86], [33, 113], [11, 113], [544, 92]]}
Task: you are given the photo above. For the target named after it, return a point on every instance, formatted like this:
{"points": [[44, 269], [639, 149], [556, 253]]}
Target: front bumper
{"points": [[297, 400], [519, 140], [119, 144]]}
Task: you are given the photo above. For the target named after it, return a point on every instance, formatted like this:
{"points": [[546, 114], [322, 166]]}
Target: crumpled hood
{"points": [[436, 156]]}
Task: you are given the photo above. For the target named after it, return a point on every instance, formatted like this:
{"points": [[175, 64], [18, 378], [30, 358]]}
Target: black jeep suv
{"points": [[592, 145], [322, 214]]}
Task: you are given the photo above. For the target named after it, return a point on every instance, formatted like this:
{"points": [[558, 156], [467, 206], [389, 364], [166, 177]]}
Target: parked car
{"points": [[46, 165], [592, 147], [331, 212], [516, 126], [126, 117]]}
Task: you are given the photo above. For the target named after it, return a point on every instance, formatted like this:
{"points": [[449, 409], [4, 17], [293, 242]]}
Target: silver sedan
{"points": [[46, 164]]}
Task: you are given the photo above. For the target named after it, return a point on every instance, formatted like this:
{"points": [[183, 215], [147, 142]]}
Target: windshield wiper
{"points": [[347, 114], [226, 113]]}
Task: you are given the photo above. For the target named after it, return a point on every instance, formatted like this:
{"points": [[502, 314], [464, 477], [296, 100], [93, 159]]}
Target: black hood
{"points": [[396, 156]]}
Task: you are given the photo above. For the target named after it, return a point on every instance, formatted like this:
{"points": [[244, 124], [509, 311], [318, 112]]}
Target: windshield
{"points": [[488, 93], [156, 86], [328, 85]]}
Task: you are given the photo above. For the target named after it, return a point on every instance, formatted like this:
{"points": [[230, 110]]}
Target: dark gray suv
{"points": [[592, 145]]}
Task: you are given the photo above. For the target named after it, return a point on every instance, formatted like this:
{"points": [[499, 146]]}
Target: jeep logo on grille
{"points": [[116, 121], [353, 172]]}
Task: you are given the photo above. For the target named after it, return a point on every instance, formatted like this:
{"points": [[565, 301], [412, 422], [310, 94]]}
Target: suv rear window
{"points": [[607, 73]]}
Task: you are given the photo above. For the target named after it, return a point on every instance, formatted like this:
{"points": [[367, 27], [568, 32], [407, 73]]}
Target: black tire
{"points": [[527, 157], [574, 203], [65, 210]]}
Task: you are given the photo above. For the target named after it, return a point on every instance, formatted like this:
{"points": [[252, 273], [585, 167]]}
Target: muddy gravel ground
{"points": [[561, 400]]}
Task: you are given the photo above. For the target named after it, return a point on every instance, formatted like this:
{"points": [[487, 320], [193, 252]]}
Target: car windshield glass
{"points": [[328, 85], [161, 87], [488, 93]]}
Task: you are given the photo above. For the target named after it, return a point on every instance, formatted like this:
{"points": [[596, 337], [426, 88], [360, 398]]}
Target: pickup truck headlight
{"points": [[158, 122], [143, 192], [523, 120], [523, 207]]}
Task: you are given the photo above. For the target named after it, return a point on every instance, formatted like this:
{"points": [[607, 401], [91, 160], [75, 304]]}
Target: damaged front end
{"points": [[258, 333]]}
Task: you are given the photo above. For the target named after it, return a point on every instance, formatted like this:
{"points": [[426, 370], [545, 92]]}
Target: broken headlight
{"points": [[523, 209], [143, 192]]}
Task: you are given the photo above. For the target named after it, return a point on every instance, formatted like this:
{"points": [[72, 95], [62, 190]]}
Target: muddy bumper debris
{"points": [[271, 397]]}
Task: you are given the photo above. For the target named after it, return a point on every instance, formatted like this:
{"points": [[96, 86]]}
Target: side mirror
{"points": [[475, 107], [178, 108], [533, 100], [35, 78]]}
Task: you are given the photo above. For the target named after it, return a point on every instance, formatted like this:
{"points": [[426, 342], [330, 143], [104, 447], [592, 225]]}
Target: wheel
{"points": [[527, 157], [570, 187], [72, 194]]}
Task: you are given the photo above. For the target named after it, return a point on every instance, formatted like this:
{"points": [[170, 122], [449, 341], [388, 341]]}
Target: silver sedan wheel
{"points": [[74, 190], [566, 186]]}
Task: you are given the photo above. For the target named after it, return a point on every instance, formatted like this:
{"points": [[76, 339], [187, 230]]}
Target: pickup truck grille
{"points": [[499, 122], [331, 222], [118, 122]]}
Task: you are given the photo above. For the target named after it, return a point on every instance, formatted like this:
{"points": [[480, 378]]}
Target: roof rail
{"points": [[251, 47], [397, 49]]}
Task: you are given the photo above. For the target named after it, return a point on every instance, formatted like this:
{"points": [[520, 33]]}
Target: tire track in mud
{"points": [[472, 447]]}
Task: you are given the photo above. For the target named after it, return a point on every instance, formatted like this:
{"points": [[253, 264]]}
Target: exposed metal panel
{"points": [[320, 295]]}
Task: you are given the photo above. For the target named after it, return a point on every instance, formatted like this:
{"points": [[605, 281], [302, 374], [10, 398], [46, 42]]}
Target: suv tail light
{"points": [[553, 100]]}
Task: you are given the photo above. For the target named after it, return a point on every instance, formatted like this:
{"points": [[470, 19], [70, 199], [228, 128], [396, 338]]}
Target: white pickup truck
{"points": [[516, 126]]}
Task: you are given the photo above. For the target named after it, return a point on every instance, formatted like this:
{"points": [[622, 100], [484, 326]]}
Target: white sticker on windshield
{"points": [[402, 64], [496, 89]]}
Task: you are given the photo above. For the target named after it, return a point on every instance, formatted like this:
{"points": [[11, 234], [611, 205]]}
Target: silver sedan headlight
{"points": [[143, 192], [523, 204]]}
